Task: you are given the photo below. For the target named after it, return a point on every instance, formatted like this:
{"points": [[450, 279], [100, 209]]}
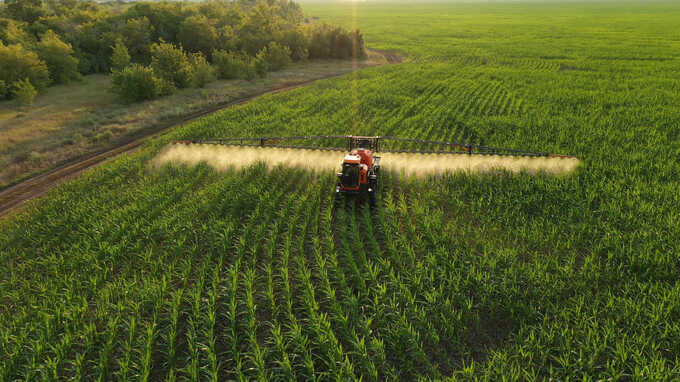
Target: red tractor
{"points": [[360, 168]]}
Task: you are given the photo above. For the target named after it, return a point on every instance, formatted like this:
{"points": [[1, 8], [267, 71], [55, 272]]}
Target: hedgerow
{"points": [[83, 37]]}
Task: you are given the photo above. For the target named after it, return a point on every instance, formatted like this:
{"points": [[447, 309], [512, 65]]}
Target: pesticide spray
{"points": [[409, 164]]}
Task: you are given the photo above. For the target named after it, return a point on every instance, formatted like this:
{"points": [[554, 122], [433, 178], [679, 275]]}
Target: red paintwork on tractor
{"points": [[363, 160]]}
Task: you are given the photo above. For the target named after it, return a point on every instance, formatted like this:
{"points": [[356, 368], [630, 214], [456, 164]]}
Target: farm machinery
{"points": [[360, 167]]}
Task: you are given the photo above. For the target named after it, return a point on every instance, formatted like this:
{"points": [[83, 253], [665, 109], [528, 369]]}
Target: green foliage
{"points": [[298, 42], [183, 272], [137, 34], [24, 92], [120, 57], [196, 34], [25, 10], [335, 42], [260, 64], [58, 56], [231, 65], [17, 63], [172, 64], [139, 83], [202, 72], [4, 90], [14, 32], [97, 37], [276, 56]]}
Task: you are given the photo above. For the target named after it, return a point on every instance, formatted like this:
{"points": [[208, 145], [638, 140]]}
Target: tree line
{"points": [[154, 48]]}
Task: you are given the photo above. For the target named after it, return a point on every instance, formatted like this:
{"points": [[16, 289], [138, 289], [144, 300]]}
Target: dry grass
{"points": [[68, 121]]}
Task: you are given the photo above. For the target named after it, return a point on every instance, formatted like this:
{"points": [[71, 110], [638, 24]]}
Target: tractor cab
{"points": [[359, 173], [353, 173]]}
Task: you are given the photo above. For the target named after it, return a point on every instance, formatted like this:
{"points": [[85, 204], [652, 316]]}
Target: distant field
{"points": [[185, 273]]}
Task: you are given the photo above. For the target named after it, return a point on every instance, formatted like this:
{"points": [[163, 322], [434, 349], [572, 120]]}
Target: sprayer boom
{"points": [[373, 143], [360, 168]]}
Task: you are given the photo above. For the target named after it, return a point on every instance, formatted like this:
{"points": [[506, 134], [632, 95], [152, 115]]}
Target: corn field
{"points": [[135, 272]]}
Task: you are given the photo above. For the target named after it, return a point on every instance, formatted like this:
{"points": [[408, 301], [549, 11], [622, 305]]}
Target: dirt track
{"points": [[17, 195]]}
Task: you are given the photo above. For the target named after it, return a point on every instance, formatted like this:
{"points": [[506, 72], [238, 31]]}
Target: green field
{"points": [[185, 273]]}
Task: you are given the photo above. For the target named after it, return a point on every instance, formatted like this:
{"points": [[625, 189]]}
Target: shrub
{"points": [[58, 55], [298, 44], [231, 65], [172, 64], [24, 92], [139, 83], [276, 56], [120, 57], [17, 63], [249, 71], [34, 157], [260, 64], [335, 42], [202, 72], [319, 42]]}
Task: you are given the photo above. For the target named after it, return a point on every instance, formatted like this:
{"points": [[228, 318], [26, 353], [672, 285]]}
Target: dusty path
{"points": [[17, 195]]}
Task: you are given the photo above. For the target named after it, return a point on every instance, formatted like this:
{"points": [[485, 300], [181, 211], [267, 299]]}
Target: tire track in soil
{"points": [[17, 195]]}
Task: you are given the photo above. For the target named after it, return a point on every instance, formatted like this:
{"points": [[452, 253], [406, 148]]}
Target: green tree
{"points": [[297, 42], [58, 56], [13, 32], [17, 63], [137, 34], [196, 34], [139, 83], [92, 43], [25, 10], [259, 27], [120, 57], [319, 41], [171, 63], [24, 92]]}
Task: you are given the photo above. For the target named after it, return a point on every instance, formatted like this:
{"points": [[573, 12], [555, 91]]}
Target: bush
{"points": [[172, 64], [17, 63], [231, 65], [298, 44], [260, 64], [24, 92], [319, 42], [62, 65], [336, 42], [139, 83], [202, 72], [276, 56], [120, 57]]}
